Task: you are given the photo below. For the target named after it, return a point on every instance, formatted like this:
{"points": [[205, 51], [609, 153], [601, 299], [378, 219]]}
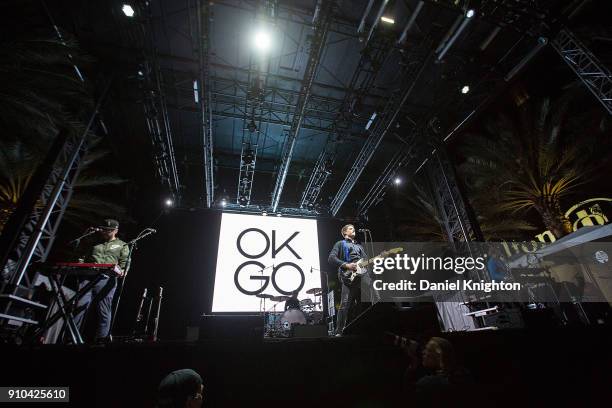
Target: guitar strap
{"points": [[345, 248]]}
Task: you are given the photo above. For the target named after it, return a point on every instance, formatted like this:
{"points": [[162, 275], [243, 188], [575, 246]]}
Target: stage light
{"points": [[169, 202], [252, 127], [196, 95], [445, 45], [264, 213], [223, 202], [279, 214], [243, 201], [397, 181], [465, 89], [127, 10], [248, 157], [262, 40], [387, 20], [370, 121]]}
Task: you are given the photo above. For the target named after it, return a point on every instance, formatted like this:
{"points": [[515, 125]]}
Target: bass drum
{"points": [[292, 317]]}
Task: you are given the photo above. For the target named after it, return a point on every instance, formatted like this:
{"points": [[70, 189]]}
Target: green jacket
{"points": [[111, 252]]}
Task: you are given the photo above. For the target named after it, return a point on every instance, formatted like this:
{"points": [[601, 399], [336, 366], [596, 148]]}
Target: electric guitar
{"points": [[349, 276]]}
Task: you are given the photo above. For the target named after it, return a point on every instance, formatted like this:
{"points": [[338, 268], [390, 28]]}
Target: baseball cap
{"points": [[109, 224]]}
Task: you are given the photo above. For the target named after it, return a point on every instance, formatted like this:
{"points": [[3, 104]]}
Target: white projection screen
{"points": [[287, 250]]}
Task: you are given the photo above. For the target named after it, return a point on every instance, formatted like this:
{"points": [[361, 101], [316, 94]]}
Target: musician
{"points": [[105, 249], [292, 302], [344, 256]]}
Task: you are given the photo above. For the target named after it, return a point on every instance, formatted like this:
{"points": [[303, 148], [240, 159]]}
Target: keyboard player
{"points": [[105, 248]]}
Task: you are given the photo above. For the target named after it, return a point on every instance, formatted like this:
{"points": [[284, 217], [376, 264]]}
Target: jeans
{"points": [[103, 293], [351, 293]]}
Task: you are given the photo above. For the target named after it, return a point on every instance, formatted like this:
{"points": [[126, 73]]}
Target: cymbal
{"points": [[264, 296], [314, 291], [280, 298]]}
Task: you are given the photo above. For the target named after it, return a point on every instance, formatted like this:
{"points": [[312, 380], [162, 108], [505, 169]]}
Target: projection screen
{"points": [[264, 254]]}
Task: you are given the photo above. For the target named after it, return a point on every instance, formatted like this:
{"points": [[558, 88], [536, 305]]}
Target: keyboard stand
{"points": [[66, 307]]}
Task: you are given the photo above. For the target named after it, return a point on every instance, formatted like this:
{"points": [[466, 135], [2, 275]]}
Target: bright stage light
{"points": [[127, 10], [169, 202], [397, 181], [465, 89], [223, 202], [262, 40], [470, 13], [387, 20]]}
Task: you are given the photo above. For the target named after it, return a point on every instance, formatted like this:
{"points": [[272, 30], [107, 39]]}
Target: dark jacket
{"points": [[337, 254]]}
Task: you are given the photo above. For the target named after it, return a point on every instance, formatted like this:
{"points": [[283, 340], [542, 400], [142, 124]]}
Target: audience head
{"points": [[439, 355], [181, 389]]}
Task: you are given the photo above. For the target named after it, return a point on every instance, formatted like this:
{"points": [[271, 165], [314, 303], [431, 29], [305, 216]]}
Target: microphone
{"points": [[363, 230], [94, 229], [153, 230]]}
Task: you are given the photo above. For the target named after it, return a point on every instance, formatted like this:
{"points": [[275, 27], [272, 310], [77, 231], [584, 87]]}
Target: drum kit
{"points": [[305, 311]]}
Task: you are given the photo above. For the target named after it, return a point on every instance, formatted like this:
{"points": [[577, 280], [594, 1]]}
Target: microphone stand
{"points": [[132, 246], [77, 241]]}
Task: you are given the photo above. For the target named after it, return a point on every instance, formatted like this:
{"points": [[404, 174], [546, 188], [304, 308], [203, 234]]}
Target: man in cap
{"points": [[181, 389], [106, 249]]}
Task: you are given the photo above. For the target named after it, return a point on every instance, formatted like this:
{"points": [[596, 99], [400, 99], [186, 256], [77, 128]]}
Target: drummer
{"points": [[292, 302]]}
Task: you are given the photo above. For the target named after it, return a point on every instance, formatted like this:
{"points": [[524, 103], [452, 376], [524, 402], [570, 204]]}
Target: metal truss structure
{"points": [[265, 211], [205, 97], [377, 192], [586, 66], [36, 237], [372, 58], [156, 116], [254, 112], [386, 118], [322, 20]]}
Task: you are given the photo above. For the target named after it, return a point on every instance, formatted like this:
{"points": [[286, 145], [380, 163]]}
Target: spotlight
{"points": [[465, 89], [470, 13], [140, 73], [243, 201], [169, 202], [127, 10], [264, 213], [397, 181], [262, 40], [310, 206], [387, 20], [279, 214], [223, 202], [248, 157]]}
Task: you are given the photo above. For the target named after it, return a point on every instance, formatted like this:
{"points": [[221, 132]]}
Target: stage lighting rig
{"points": [[127, 10], [262, 40]]}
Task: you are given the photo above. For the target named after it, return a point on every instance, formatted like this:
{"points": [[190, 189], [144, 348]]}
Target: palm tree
{"points": [[18, 162], [530, 162], [420, 219], [39, 89], [40, 92]]}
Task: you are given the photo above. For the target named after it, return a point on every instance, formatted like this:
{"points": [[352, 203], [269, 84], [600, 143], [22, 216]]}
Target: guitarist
{"points": [[344, 256]]}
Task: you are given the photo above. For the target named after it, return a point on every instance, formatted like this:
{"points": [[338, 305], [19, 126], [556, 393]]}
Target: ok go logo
{"points": [[283, 268]]}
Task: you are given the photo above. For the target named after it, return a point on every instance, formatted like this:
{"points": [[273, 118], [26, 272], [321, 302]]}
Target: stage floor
{"points": [[508, 367]]}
